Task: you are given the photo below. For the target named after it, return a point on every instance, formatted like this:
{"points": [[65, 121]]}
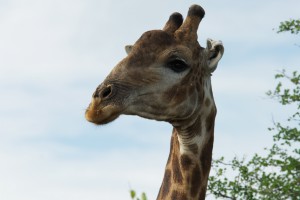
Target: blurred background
{"points": [[53, 54]]}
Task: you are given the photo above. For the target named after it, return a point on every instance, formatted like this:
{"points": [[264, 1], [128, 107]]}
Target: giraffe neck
{"points": [[189, 161]]}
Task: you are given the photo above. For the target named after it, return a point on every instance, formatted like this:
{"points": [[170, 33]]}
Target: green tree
{"points": [[291, 25], [275, 175]]}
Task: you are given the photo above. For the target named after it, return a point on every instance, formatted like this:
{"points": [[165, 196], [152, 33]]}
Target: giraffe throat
{"points": [[189, 161]]}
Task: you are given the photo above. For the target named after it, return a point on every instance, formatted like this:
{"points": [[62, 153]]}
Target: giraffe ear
{"points": [[128, 48], [215, 51]]}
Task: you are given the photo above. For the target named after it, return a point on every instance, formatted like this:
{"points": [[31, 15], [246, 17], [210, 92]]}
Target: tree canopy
{"points": [[275, 175]]}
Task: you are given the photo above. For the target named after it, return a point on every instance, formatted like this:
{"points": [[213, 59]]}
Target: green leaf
{"points": [[144, 197], [132, 194], [292, 26]]}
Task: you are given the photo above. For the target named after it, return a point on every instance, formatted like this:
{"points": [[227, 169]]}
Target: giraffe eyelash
{"points": [[177, 65]]}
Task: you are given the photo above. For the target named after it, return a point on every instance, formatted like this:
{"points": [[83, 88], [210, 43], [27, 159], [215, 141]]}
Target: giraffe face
{"points": [[162, 78]]}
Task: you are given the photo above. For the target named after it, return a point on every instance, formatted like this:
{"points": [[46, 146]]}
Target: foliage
{"points": [[276, 175], [134, 196], [292, 26]]}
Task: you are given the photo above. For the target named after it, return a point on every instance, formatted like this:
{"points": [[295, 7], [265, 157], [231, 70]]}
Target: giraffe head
{"points": [[165, 76]]}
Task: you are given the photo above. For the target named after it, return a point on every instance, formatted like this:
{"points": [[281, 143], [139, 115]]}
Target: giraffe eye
{"points": [[177, 65]]}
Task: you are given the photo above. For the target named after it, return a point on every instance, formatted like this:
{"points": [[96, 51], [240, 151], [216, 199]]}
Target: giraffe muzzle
{"points": [[101, 110]]}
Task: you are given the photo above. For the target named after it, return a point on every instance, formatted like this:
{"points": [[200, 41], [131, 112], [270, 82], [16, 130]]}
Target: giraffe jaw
{"points": [[99, 115]]}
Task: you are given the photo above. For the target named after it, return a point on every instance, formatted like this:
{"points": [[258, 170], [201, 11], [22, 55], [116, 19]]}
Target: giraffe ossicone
{"points": [[166, 76]]}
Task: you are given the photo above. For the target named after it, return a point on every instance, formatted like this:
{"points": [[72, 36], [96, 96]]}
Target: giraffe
{"points": [[166, 76]]}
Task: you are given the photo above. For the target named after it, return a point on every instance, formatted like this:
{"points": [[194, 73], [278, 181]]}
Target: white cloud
{"points": [[40, 173]]}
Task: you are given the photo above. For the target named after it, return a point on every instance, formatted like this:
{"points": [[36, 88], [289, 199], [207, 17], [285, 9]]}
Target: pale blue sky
{"points": [[53, 54]]}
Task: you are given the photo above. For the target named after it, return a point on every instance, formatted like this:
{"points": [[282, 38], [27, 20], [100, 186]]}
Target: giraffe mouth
{"points": [[99, 115]]}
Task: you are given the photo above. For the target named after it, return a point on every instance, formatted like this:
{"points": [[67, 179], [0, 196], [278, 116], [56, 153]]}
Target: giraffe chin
{"points": [[102, 116]]}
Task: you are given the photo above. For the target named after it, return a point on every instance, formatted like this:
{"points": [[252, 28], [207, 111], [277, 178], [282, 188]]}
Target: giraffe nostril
{"points": [[106, 92]]}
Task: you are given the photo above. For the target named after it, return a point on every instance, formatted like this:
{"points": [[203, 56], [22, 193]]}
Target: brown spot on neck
{"points": [[207, 102], [206, 156], [177, 175], [210, 120], [185, 162], [196, 181], [165, 188], [178, 195]]}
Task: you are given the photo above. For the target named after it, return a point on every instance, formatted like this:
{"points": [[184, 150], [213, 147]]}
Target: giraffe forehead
{"points": [[158, 45], [153, 42], [155, 37], [148, 48]]}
